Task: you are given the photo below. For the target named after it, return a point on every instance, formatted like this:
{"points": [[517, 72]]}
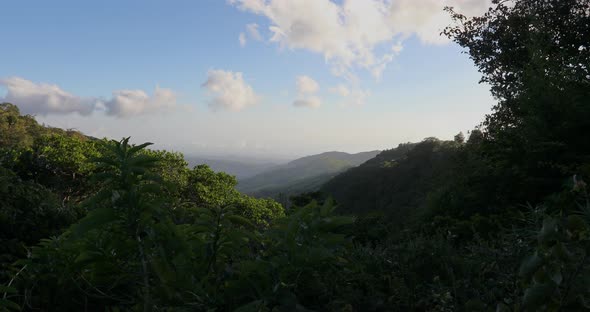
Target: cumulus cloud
{"points": [[306, 85], [311, 102], [43, 98], [306, 88], [127, 103], [229, 90], [347, 33], [426, 18]]}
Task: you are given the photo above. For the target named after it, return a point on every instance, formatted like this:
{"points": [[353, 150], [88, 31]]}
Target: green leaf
{"points": [[239, 220], [202, 228], [5, 303], [86, 257], [7, 290], [94, 219], [137, 148]]}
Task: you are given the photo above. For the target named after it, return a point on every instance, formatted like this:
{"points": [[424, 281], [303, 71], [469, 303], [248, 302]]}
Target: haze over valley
{"points": [[295, 155]]}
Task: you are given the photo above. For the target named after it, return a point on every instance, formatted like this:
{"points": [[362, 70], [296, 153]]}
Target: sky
{"points": [[243, 78]]}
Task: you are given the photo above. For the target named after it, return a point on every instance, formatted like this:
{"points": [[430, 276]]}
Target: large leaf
{"points": [[93, 220], [239, 220], [137, 148]]}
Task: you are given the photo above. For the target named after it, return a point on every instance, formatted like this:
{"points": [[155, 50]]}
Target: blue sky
{"points": [[175, 72]]}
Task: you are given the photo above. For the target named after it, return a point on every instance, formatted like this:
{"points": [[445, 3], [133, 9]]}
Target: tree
{"points": [[15, 129], [207, 188], [259, 211], [29, 212], [459, 138], [518, 40], [534, 55]]}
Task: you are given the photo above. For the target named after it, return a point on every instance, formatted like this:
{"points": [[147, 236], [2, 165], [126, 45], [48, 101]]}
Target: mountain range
{"points": [[301, 175]]}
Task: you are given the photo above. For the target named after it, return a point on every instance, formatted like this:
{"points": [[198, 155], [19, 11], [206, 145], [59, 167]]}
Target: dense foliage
{"points": [[499, 221]]}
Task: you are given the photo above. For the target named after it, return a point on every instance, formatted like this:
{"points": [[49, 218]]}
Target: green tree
{"points": [[535, 56], [122, 251], [207, 188], [15, 129]]}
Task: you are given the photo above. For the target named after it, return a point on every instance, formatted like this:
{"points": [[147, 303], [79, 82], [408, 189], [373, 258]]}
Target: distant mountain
{"points": [[302, 175], [241, 169]]}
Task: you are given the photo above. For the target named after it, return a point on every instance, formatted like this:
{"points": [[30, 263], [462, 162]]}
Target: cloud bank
{"points": [[229, 90], [45, 99], [128, 103], [348, 33]]}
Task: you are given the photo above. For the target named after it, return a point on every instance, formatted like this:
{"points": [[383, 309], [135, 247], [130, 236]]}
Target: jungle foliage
{"points": [[497, 221]]}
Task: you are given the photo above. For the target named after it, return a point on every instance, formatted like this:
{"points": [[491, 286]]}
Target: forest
{"points": [[497, 219]]}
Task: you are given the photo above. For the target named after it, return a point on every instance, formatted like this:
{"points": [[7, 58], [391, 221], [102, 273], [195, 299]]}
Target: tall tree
{"points": [[535, 55]]}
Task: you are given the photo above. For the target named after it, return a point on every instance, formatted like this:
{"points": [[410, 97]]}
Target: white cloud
{"points": [[230, 91], [426, 18], [253, 31], [127, 103], [341, 90], [306, 88], [311, 102], [306, 85], [43, 98], [242, 39], [347, 33]]}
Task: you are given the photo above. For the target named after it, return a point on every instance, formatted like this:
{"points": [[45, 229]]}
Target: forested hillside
{"points": [[305, 174], [497, 221], [396, 180]]}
